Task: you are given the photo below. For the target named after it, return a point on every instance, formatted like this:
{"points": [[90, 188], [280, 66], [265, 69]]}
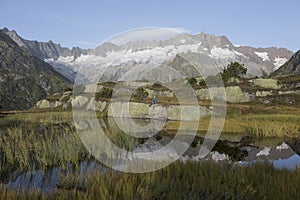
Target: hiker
{"points": [[154, 100]]}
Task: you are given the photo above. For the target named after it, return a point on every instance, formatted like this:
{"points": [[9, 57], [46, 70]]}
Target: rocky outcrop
{"points": [[186, 113], [292, 66], [266, 83], [44, 104], [234, 94], [63, 102], [141, 110], [162, 93], [79, 101], [93, 88], [128, 109]]}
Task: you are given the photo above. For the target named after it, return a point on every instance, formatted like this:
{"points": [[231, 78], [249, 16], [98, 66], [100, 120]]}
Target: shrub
{"points": [[233, 70], [104, 93], [140, 93], [192, 81]]}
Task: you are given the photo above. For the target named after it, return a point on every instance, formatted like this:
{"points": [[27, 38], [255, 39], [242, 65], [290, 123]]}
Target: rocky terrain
{"points": [[292, 66], [48, 50], [239, 91], [24, 78]]}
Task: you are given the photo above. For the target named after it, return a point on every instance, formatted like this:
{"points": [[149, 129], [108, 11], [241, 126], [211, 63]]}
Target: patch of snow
{"points": [[205, 49], [278, 62], [182, 41], [282, 146], [222, 54], [66, 59], [240, 54], [237, 45], [216, 156], [264, 152], [263, 55], [156, 55]]}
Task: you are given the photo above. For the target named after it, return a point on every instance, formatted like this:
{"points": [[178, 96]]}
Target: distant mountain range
{"points": [[211, 49], [24, 78]]}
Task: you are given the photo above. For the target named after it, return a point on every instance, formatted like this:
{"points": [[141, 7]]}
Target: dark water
{"points": [[282, 156], [50, 179], [239, 149]]}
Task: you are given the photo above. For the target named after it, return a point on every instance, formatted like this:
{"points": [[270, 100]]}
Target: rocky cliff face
{"points": [[49, 51], [291, 67], [24, 78]]}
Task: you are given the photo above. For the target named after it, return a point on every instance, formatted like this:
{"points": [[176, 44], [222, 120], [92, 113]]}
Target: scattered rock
{"points": [[264, 93]]}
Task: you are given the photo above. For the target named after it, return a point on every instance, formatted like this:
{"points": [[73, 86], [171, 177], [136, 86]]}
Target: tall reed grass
{"points": [[192, 180]]}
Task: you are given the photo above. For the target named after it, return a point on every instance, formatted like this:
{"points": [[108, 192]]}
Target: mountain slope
{"points": [[291, 67], [24, 79], [49, 51]]}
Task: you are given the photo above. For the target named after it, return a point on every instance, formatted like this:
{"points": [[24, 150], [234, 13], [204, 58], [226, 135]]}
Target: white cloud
{"points": [[147, 34]]}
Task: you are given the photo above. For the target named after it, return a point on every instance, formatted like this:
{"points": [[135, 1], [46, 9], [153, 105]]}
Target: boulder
{"points": [[266, 83], [43, 104], [93, 88], [128, 109], [234, 94], [144, 111], [57, 104], [79, 101]]}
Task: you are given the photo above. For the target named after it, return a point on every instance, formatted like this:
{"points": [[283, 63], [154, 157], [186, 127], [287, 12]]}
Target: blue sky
{"points": [[87, 23]]}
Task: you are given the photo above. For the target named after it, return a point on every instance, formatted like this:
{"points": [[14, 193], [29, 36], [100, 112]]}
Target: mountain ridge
{"points": [[24, 78], [218, 48]]}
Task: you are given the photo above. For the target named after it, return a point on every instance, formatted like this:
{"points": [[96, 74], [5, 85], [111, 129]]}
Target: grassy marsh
{"points": [[46, 139], [178, 181]]}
